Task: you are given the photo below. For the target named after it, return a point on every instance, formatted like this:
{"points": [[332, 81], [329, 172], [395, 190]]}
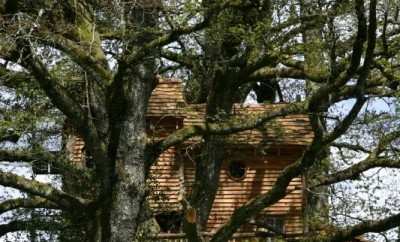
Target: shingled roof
{"points": [[167, 101]]}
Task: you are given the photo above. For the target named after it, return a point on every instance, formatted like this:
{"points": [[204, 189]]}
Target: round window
{"points": [[236, 170]]}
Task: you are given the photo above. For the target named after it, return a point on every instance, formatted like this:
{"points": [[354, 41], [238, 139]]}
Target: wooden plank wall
{"points": [[283, 131], [164, 183], [167, 112], [259, 179], [260, 176], [75, 148]]}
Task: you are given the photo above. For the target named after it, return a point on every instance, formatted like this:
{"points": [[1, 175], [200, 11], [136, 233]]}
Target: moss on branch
{"points": [[62, 199], [34, 202]]}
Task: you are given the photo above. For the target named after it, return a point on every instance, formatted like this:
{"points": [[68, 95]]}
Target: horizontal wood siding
{"points": [[260, 177], [166, 99], [265, 150], [164, 183], [288, 130]]}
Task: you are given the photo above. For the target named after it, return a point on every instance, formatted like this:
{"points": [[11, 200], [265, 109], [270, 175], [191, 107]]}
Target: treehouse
{"points": [[253, 161]]}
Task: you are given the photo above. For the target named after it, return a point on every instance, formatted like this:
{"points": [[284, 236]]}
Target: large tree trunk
{"points": [[129, 183], [129, 189], [129, 139], [315, 210], [122, 178], [208, 168]]}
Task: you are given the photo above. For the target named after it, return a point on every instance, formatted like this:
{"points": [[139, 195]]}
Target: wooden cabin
{"points": [[254, 160]]}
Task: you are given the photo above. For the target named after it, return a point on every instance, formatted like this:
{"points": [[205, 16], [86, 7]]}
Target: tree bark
{"points": [[129, 183], [208, 167], [315, 210], [130, 94]]}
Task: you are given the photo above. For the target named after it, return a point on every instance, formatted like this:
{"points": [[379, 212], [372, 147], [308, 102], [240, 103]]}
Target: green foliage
{"points": [[95, 61]]}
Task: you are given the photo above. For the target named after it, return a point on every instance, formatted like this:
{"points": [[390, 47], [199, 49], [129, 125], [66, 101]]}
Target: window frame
{"points": [[228, 170]]}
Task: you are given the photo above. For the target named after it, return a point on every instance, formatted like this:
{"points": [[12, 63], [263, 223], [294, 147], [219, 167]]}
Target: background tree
{"points": [[95, 63]]}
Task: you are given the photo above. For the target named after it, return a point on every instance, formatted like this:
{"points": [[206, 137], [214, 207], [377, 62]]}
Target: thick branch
{"points": [[58, 95], [339, 81], [181, 59], [212, 11], [19, 225], [166, 39], [278, 191], [63, 199], [9, 135], [347, 121], [42, 156], [279, 72], [354, 147], [13, 79], [63, 101], [364, 227], [34, 202], [363, 72], [27, 156], [355, 170], [372, 161], [228, 127], [361, 37], [91, 63]]}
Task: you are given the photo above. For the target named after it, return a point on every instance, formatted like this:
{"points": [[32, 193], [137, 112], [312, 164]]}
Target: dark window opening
{"points": [[89, 162], [237, 170], [170, 222], [273, 224], [161, 126]]}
